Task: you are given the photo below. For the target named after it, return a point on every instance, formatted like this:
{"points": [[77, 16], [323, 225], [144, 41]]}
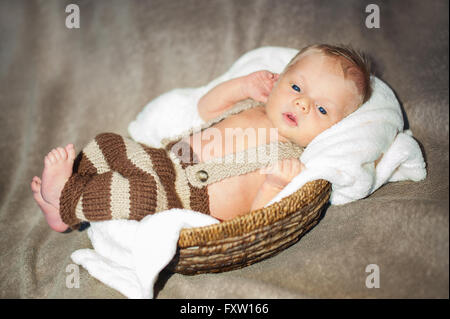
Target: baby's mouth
{"points": [[290, 118]]}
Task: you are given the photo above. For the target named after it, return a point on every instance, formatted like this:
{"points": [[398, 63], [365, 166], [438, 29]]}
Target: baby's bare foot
{"points": [[51, 213], [57, 170]]}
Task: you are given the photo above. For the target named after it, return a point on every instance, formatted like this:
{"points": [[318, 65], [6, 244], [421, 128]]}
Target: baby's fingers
{"points": [[267, 87], [263, 97], [295, 164], [292, 167], [274, 168], [287, 166], [271, 76], [297, 167]]}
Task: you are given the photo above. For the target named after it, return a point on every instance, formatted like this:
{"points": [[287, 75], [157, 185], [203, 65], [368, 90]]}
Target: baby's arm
{"points": [[279, 175], [256, 85]]}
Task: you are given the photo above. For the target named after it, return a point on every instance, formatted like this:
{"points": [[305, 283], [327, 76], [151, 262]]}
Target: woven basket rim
{"points": [[251, 221]]}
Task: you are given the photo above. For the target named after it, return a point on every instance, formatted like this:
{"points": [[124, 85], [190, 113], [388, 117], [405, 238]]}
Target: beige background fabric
{"points": [[60, 85]]}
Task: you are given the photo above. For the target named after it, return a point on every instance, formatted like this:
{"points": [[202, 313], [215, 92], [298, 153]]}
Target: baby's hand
{"points": [[259, 84], [282, 172]]}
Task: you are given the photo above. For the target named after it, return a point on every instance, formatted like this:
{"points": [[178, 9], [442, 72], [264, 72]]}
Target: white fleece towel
{"points": [[129, 255]]}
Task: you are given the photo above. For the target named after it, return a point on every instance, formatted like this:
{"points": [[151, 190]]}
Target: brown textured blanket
{"points": [[60, 85]]}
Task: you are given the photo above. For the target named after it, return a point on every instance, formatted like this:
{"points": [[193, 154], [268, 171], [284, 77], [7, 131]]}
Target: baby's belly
{"points": [[234, 196]]}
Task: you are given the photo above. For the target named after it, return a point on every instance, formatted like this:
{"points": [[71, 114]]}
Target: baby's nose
{"points": [[303, 103]]}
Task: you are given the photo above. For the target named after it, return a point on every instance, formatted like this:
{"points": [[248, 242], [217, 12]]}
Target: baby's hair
{"points": [[358, 70]]}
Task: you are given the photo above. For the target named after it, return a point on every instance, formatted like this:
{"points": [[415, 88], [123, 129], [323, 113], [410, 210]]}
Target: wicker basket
{"points": [[250, 238]]}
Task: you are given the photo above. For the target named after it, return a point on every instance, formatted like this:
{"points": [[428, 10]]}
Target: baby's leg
{"points": [[115, 178], [108, 196], [119, 179]]}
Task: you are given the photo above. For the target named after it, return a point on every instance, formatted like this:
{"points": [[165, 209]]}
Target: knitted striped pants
{"points": [[117, 178]]}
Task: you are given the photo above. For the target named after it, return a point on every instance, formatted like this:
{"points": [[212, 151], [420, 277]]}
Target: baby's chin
{"points": [[284, 136]]}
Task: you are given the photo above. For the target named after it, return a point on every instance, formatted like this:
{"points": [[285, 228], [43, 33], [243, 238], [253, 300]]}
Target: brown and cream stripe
{"points": [[117, 178]]}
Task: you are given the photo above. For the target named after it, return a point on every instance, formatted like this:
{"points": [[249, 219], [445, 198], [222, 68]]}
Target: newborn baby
{"points": [[115, 177]]}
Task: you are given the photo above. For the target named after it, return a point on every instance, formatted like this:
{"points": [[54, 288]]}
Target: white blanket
{"points": [[128, 255]]}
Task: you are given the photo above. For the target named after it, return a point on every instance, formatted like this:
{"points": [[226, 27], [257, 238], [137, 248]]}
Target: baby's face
{"points": [[310, 97]]}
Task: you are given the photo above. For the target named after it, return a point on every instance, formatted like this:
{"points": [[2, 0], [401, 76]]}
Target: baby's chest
{"points": [[234, 134]]}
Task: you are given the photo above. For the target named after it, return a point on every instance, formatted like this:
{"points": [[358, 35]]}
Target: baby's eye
{"points": [[295, 87], [322, 110]]}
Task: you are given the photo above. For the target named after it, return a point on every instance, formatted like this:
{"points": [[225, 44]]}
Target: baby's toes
{"points": [[50, 159], [37, 180], [56, 154], [70, 149], [35, 186], [62, 153]]}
